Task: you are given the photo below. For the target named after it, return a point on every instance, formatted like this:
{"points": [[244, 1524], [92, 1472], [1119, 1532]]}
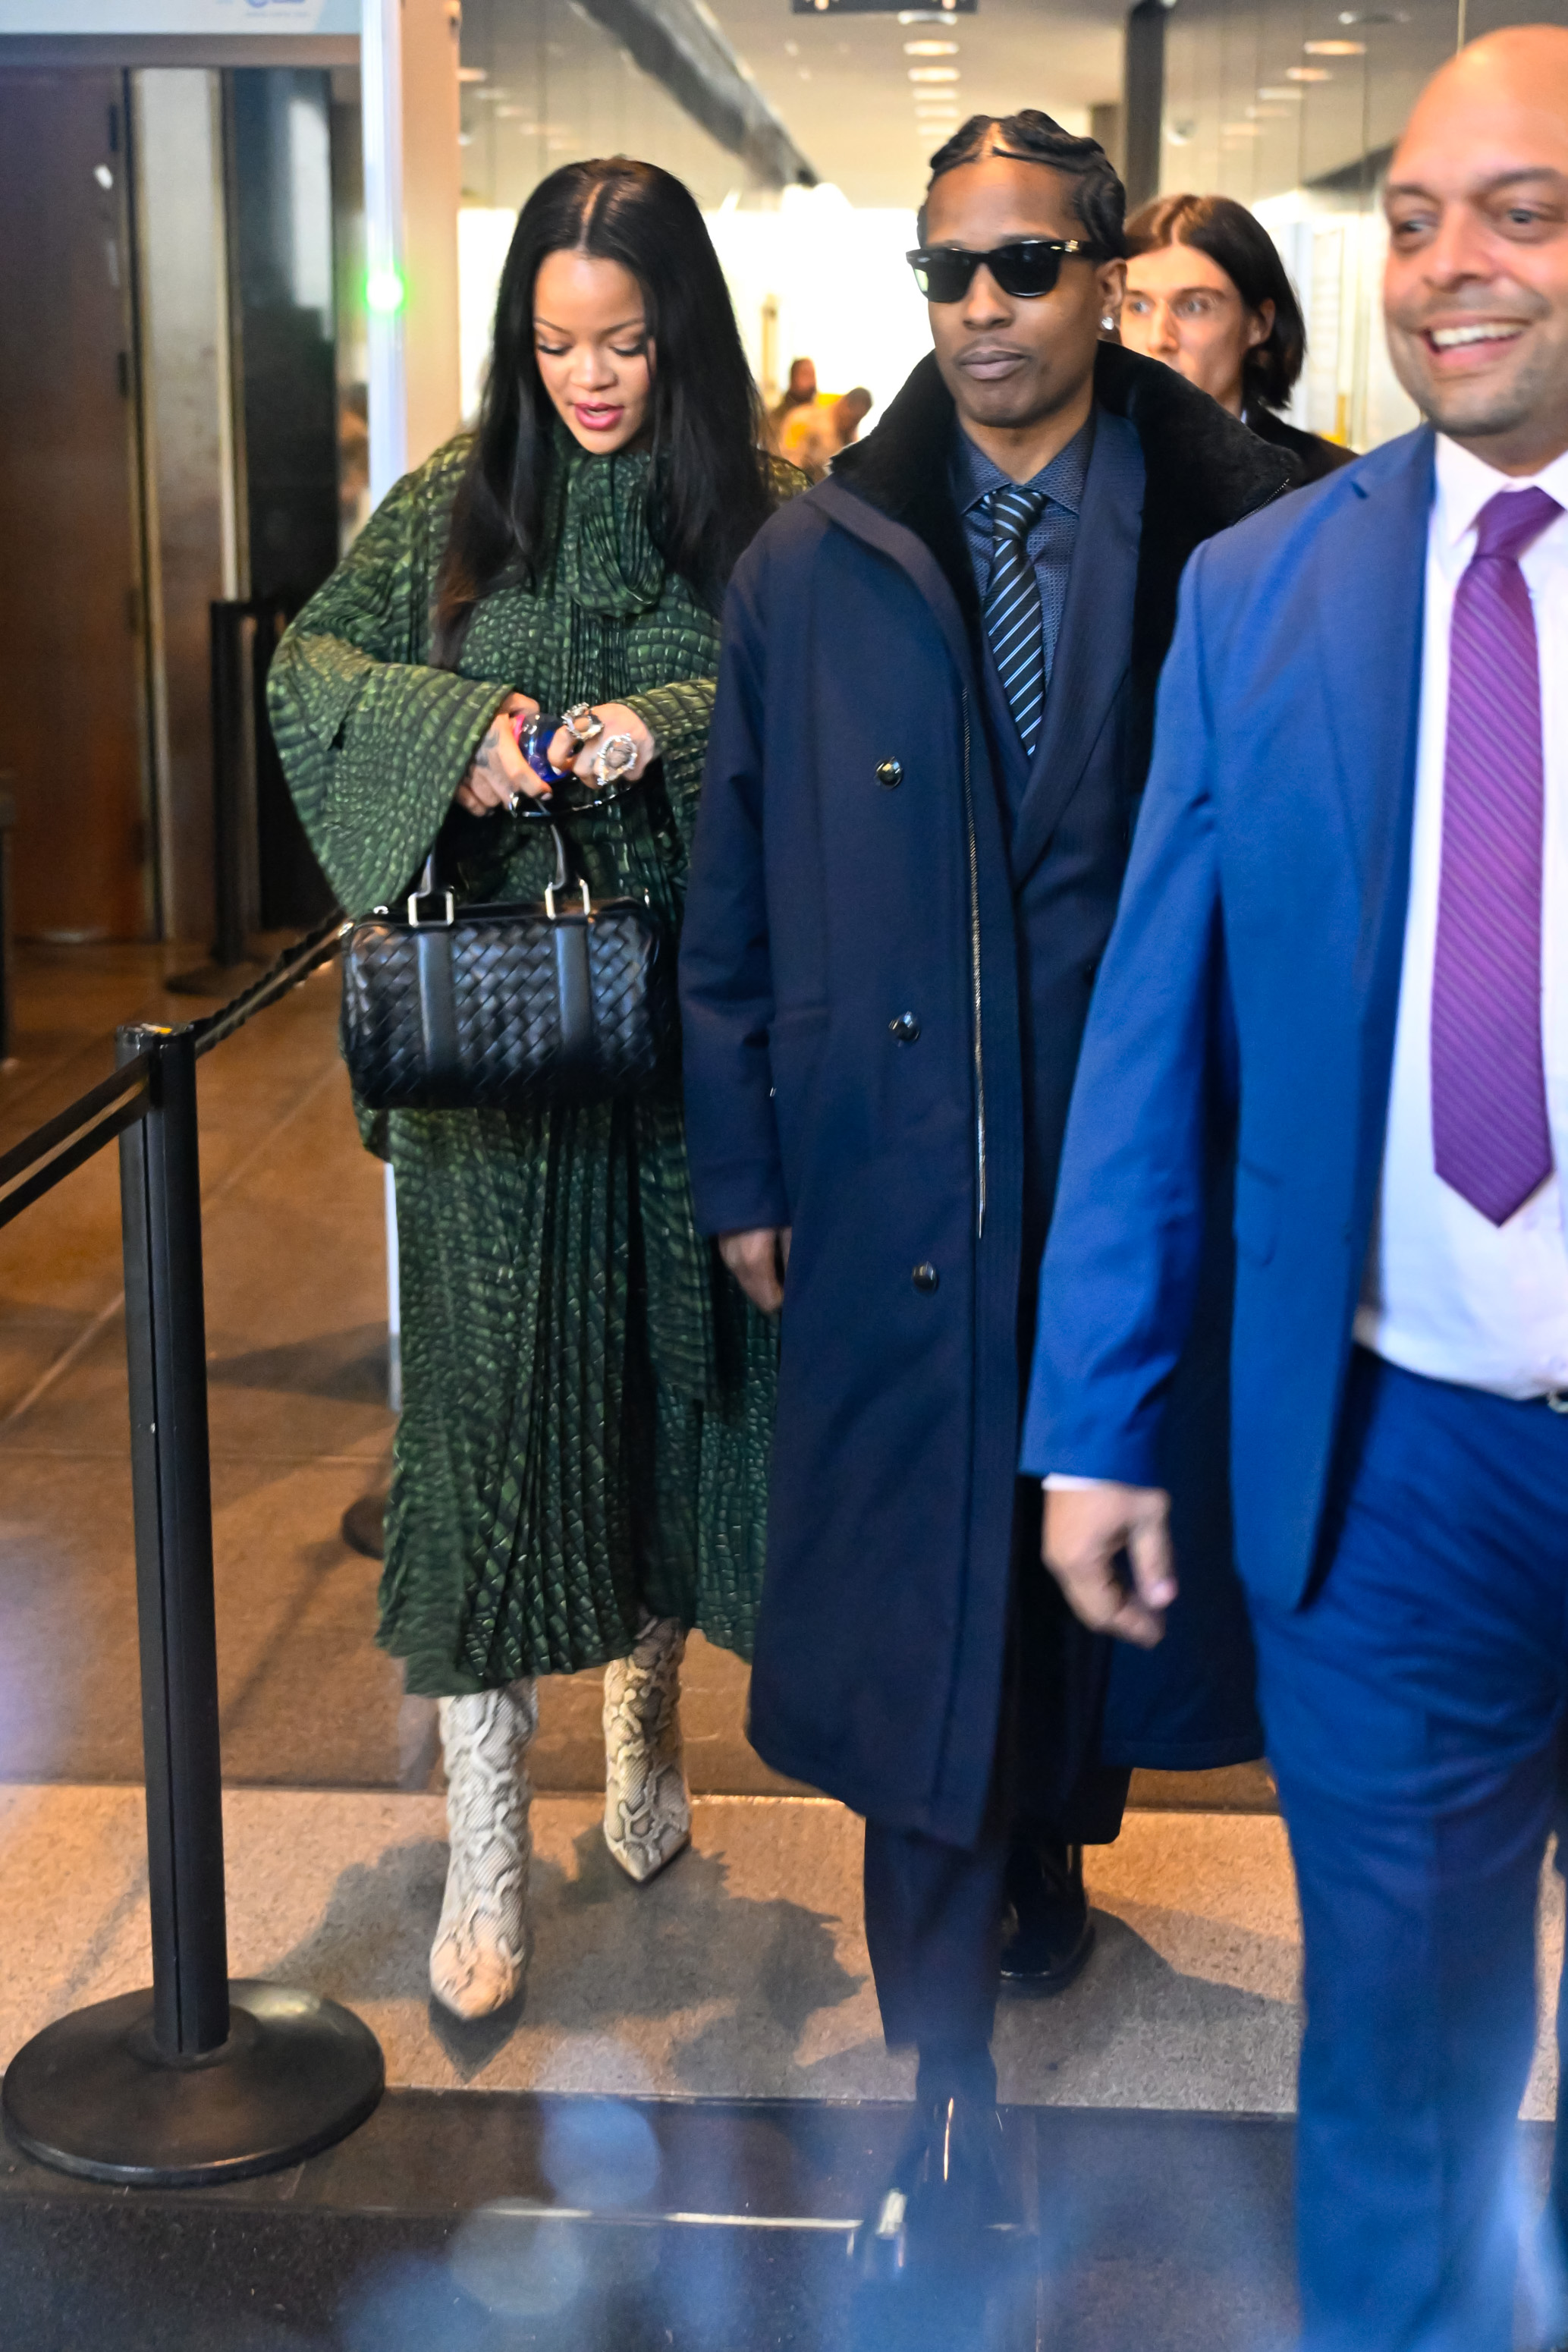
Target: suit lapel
{"points": [[1370, 599], [1370, 595], [1095, 649]]}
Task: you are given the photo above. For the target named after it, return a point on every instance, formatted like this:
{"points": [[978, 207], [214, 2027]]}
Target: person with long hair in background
{"points": [[580, 1467], [1209, 294]]}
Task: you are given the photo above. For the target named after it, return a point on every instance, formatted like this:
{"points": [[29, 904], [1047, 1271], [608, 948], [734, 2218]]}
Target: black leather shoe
{"points": [[950, 2206], [1049, 1932]]}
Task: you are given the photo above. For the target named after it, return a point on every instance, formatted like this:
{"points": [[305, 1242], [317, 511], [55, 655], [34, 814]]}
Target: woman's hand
{"points": [[498, 768], [564, 752]]}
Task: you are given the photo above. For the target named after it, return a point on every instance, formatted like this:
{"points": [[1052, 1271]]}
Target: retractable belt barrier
{"points": [[197, 2078]]}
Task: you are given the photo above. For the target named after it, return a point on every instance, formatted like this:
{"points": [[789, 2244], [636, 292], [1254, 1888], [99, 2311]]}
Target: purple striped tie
{"points": [[1491, 1140]]}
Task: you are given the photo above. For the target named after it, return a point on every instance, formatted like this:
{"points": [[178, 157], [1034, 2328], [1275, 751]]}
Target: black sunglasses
{"points": [[1024, 270]]}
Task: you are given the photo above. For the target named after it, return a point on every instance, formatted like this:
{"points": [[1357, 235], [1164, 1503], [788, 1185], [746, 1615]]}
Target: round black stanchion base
{"points": [[91, 2094], [364, 1527]]}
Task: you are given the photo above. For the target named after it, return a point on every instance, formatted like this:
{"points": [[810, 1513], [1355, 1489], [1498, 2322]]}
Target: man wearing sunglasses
{"points": [[934, 719]]}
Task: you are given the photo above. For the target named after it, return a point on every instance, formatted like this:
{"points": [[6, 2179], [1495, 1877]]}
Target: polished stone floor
{"points": [[723, 2017], [626, 2225]]}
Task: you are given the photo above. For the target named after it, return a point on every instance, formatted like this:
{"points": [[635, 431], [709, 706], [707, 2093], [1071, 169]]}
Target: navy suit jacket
{"points": [[1262, 929]]}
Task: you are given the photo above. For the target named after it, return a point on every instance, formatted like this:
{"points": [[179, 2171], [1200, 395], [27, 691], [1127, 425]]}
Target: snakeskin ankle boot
{"points": [[647, 1807], [480, 1952]]}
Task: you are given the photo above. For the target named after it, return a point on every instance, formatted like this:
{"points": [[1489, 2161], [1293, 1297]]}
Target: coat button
{"points": [[927, 1276], [891, 773], [906, 1028]]}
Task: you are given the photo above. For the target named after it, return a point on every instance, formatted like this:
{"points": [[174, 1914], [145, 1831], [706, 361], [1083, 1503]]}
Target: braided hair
{"points": [[1099, 199]]}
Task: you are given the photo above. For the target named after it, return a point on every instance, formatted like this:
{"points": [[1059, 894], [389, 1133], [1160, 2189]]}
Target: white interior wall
{"points": [[836, 274], [188, 483], [1334, 252]]}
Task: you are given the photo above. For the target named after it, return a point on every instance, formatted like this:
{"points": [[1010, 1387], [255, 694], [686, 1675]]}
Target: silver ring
{"points": [[582, 722], [614, 758], [513, 806]]}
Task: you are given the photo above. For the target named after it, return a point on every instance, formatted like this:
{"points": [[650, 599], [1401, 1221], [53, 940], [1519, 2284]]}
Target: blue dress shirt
{"points": [[1051, 542]]}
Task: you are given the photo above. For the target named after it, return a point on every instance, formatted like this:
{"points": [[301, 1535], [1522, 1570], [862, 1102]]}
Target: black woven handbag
{"points": [[491, 1007]]}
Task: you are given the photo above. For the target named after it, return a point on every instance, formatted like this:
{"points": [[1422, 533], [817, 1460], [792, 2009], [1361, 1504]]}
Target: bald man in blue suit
{"points": [[1348, 903]]}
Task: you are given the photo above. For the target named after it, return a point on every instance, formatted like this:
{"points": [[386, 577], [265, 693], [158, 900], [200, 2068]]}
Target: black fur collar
{"points": [[1203, 471]]}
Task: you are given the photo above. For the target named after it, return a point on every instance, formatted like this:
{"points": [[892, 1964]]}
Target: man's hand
{"points": [[1086, 1529], [498, 768], [757, 1261]]}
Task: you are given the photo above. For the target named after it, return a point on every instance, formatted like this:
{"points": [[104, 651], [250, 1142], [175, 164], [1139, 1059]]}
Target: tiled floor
{"points": [[295, 1267], [741, 1972]]}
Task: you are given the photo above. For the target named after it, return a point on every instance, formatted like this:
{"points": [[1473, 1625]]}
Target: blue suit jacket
{"points": [[1262, 925]]}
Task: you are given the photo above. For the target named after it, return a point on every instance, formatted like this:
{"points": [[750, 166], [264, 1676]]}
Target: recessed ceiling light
{"points": [[931, 48], [1240, 131], [932, 73], [1307, 73], [1335, 48], [472, 73], [1277, 89]]}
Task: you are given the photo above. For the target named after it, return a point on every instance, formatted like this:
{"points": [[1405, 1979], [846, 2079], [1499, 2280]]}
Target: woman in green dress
{"points": [[580, 1467]]}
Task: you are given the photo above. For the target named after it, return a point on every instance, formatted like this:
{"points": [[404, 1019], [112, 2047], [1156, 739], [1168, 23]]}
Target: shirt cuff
{"points": [[1064, 1482]]}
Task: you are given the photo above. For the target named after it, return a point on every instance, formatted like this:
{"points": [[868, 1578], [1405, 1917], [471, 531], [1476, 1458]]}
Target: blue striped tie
{"points": [[1013, 620]]}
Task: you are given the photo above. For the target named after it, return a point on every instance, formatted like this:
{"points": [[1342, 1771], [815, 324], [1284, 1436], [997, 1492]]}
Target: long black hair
{"points": [[710, 486], [1237, 239]]}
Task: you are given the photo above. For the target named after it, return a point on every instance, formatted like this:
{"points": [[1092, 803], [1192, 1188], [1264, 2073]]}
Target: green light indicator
{"points": [[385, 290]]}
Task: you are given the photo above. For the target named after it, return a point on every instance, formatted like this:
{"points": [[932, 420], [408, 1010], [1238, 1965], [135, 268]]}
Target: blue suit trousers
{"points": [[1413, 1709]]}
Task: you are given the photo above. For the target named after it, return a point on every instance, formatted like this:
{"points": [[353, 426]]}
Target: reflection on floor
{"points": [[724, 2229], [741, 1975]]}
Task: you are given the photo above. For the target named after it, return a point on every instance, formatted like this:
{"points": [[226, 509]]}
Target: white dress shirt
{"points": [[1445, 1292]]}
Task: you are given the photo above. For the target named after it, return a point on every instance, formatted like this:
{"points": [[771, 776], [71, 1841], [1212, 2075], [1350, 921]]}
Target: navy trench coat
{"points": [[854, 1045]]}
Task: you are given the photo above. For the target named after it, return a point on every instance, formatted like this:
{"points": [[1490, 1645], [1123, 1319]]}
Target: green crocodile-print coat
{"points": [[587, 1399]]}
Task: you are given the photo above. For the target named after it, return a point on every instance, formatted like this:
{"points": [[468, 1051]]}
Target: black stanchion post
{"points": [[229, 688], [196, 2079], [160, 1211]]}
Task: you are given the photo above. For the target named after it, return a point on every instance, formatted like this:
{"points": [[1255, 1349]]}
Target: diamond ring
{"points": [[615, 758]]}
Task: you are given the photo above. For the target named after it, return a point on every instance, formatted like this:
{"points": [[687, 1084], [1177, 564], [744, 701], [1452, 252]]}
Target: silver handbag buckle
{"points": [[551, 889], [418, 901]]}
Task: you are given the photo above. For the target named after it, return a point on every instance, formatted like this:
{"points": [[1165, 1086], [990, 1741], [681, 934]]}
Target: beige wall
{"points": [[188, 488], [432, 187]]}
